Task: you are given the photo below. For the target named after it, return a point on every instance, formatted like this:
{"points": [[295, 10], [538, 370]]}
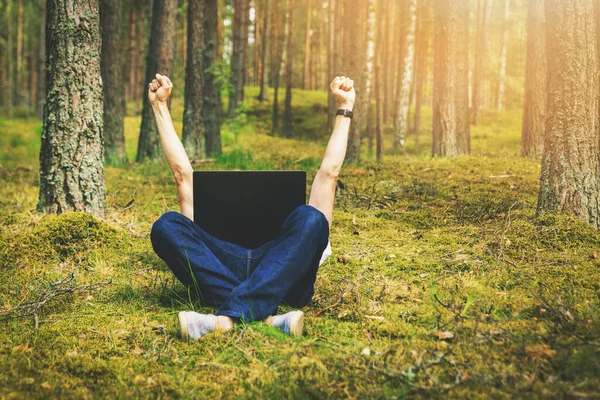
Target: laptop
{"points": [[247, 208]]}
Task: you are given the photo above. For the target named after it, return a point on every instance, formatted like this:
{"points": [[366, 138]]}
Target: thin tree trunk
{"points": [[238, 59], [406, 77], [307, 40], [277, 50], [41, 82], [262, 95], [32, 74], [570, 178], [502, 71], [19, 61], [10, 83], [379, 78], [287, 111], [71, 155], [193, 111], [331, 58], [451, 127], [422, 62], [211, 93], [112, 82], [160, 60], [354, 63], [536, 83], [480, 57], [389, 61], [398, 52], [131, 61]]}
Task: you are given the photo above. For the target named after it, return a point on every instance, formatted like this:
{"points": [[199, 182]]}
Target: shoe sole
{"points": [[183, 326], [297, 324]]}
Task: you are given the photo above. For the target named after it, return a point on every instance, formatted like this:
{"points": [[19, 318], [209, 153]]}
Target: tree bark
{"points": [[111, 66], [159, 60], [307, 40], [262, 95], [18, 96], [238, 59], [401, 126], [287, 111], [389, 60], [502, 70], [570, 178], [480, 57], [331, 57], [193, 111], [277, 56], [71, 155], [211, 95], [353, 64], [451, 127], [536, 83], [41, 81], [380, 46], [421, 62]]}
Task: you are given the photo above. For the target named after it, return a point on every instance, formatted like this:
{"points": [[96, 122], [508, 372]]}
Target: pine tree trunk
{"points": [[451, 127], [262, 95], [71, 155], [211, 88], [10, 83], [389, 61], [307, 39], [41, 82], [277, 50], [398, 51], [421, 62], [536, 83], [570, 178], [480, 57], [112, 81], [287, 111], [331, 58], [18, 96], [193, 111], [353, 65], [238, 58], [160, 60], [131, 59], [380, 47], [502, 71], [401, 126]]}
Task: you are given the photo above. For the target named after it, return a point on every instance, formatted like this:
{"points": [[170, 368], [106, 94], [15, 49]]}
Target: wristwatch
{"points": [[345, 113]]}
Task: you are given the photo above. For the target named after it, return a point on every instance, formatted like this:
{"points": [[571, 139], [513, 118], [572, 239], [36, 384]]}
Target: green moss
{"points": [[422, 247]]}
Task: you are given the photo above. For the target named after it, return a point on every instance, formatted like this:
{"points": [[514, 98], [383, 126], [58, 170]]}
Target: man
{"points": [[248, 284]]}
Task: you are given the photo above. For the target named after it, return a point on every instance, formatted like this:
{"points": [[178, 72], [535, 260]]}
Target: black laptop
{"points": [[246, 207]]}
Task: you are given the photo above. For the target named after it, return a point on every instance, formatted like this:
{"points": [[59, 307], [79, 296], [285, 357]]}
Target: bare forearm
{"points": [[172, 147], [336, 148]]}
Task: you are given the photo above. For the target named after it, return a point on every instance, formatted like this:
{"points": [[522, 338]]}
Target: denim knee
{"points": [[163, 227], [308, 218]]}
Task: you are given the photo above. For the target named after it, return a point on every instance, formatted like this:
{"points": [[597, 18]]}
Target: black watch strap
{"points": [[345, 113]]}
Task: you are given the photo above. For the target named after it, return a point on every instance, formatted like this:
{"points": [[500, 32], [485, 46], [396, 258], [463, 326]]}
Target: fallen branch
{"points": [[55, 289]]}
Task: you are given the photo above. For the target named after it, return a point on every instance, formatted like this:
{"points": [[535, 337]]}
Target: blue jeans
{"points": [[245, 283]]}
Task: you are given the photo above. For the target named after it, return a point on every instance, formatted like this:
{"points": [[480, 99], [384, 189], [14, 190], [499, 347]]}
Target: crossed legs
{"points": [[229, 278]]}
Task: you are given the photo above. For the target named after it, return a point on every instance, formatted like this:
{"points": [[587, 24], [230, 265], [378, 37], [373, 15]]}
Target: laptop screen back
{"points": [[246, 207]]}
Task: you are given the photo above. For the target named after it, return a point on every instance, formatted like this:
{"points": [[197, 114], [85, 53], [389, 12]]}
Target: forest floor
{"points": [[443, 281]]}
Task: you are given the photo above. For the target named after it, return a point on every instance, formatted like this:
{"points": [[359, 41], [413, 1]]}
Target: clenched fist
{"points": [[159, 89], [342, 89]]}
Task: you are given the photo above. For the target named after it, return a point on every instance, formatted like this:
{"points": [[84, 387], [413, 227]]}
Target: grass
{"points": [[443, 281]]}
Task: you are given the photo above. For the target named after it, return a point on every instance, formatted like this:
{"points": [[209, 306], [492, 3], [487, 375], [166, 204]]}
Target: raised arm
{"points": [[322, 194], [159, 91]]}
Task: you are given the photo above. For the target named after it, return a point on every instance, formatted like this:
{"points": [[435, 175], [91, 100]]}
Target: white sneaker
{"points": [[291, 323], [194, 326]]}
